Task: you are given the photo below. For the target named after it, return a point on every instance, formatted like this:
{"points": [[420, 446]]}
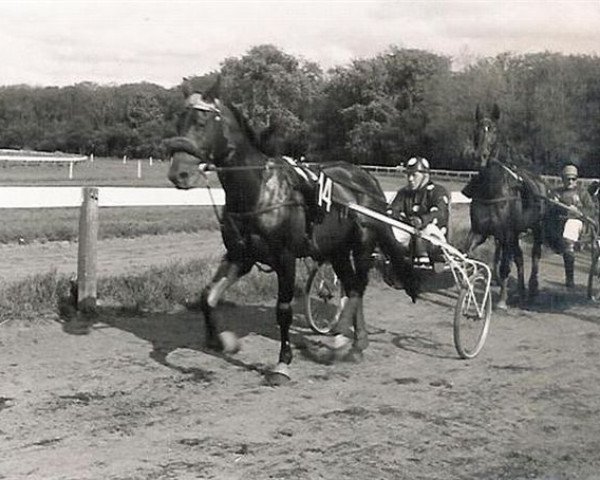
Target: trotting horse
{"points": [[505, 201], [265, 220]]}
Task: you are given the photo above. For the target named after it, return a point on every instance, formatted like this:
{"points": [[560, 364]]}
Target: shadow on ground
{"points": [[185, 329]]}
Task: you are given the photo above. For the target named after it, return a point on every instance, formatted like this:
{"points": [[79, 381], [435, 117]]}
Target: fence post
{"points": [[139, 169], [88, 250], [124, 159], [150, 161], [70, 170]]}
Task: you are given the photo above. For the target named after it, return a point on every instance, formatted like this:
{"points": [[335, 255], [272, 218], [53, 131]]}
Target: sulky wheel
{"points": [[472, 317], [323, 299]]}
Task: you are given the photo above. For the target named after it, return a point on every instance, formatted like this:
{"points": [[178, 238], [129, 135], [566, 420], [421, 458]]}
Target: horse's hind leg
{"points": [[286, 275], [216, 338], [349, 316], [363, 262], [536, 254]]}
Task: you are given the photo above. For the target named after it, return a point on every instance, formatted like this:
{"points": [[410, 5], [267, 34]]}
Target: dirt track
{"points": [[140, 398]]}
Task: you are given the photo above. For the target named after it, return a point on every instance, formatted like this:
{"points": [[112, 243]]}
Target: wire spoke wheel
{"points": [[472, 317], [323, 299]]}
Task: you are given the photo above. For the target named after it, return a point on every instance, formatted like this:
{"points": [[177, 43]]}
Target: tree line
{"points": [[377, 111]]}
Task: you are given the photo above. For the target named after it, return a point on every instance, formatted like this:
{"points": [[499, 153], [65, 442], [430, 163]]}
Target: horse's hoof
{"points": [[277, 379], [361, 342], [342, 346], [229, 342], [354, 356], [502, 306], [280, 375]]}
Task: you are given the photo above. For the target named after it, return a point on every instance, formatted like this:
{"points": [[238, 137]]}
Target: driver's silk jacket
{"points": [[430, 203]]}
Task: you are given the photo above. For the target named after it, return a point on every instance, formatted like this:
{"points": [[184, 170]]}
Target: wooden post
{"points": [[150, 161], [124, 159], [70, 170], [91, 158], [139, 169], [88, 250]]}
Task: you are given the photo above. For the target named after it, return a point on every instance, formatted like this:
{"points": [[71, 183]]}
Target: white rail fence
{"points": [[89, 199], [72, 197]]}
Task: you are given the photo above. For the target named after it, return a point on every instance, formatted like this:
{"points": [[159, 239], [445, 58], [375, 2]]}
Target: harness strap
{"points": [[494, 200], [263, 210]]}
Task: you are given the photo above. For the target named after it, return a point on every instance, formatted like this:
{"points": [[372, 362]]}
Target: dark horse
{"points": [[268, 216], [505, 201]]}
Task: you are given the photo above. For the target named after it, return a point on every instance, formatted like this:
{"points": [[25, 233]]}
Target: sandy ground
{"points": [[140, 397]]}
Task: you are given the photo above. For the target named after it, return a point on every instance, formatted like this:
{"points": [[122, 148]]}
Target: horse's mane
{"points": [[247, 129]]}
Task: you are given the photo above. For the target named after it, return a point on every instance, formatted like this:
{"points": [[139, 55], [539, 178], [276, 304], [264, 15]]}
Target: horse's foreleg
{"points": [[536, 254], [497, 260], [504, 271], [518, 259], [227, 274]]}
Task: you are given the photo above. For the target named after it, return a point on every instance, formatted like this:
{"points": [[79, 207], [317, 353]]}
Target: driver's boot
{"points": [[569, 259]]}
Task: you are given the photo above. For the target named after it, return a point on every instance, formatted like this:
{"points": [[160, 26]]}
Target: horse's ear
{"points": [[231, 126], [213, 92], [477, 114], [186, 87], [267, 139], [495, 112]]}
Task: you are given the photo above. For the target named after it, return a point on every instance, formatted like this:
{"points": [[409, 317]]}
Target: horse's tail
{"points": [[402, 267]]}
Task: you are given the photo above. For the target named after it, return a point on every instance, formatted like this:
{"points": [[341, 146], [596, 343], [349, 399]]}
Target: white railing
{"points": [[9, 155], [89, 199], [71, 197], [461, 174]]}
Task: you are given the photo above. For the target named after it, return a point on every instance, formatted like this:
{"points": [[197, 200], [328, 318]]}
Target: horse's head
{"points": [[485, 136], [203, 137]]}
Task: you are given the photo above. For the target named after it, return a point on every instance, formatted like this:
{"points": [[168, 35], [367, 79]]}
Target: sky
{"points": [[64, 42]]}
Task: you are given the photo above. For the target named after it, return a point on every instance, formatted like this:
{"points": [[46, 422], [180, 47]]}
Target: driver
{"points": [[422, 204], [577, 201]]}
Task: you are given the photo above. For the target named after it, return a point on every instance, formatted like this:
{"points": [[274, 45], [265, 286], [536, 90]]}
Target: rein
{"points": [[263, 210], [211, 167], [494, 200]]}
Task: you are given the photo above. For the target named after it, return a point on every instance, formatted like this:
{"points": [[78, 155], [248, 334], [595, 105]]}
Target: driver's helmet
{"points": [[417, 164]]}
